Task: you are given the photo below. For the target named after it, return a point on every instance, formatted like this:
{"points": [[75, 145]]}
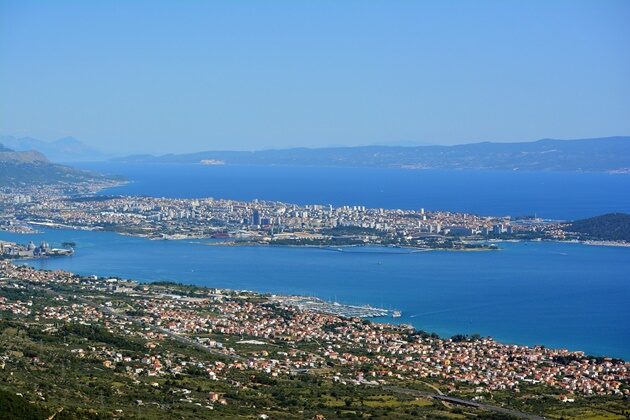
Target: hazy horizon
{"points": [[172, 77], [110, 153]]}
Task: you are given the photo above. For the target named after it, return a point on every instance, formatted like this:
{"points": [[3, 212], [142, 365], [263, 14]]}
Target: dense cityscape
{"points": [[265, 222]]}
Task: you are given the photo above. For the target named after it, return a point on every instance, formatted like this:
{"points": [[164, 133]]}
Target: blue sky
{"points": [[177, 76]]}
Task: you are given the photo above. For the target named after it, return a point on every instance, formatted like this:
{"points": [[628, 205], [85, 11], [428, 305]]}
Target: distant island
{"points": [[604, 154], [608, 154]]}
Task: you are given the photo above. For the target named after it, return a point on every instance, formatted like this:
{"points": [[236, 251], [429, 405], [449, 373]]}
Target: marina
{"points": [[334, 308]]}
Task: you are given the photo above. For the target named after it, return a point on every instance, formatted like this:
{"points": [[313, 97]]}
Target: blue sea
{"points": [[558, 195], [557, 294]]}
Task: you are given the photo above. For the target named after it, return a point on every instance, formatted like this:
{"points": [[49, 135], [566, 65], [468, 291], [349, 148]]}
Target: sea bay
{"points": [[557, 294]]}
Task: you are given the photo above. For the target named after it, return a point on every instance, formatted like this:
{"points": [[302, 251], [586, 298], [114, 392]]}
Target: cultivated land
{"points": [[105, 348]]}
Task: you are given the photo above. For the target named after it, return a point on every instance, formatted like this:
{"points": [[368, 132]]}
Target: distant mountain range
{"points": [[610, 154], [33, 168], [607, 154], [67, 149]]}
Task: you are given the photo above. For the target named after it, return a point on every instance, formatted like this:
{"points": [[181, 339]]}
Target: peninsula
{"points": [[233, 222]]}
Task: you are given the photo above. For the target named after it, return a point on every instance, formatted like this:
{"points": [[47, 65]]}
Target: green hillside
{"points": [[32, 168], [608, 227]]}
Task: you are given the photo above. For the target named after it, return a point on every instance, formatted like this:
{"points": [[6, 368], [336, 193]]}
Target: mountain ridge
{"points": [[603, 154], [65, 149], [33, 168]]}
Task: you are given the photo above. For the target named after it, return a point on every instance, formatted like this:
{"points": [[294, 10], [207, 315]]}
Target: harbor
{"points": [[334, 308]]}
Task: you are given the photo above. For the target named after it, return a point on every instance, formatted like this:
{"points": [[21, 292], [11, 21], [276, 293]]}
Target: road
{"points": [[467, 403]]}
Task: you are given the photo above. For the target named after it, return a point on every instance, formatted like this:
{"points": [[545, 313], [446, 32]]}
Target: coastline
{"points": [[341, 248], [184, 237], [385, 317], [441, 328], [618, 244]]}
